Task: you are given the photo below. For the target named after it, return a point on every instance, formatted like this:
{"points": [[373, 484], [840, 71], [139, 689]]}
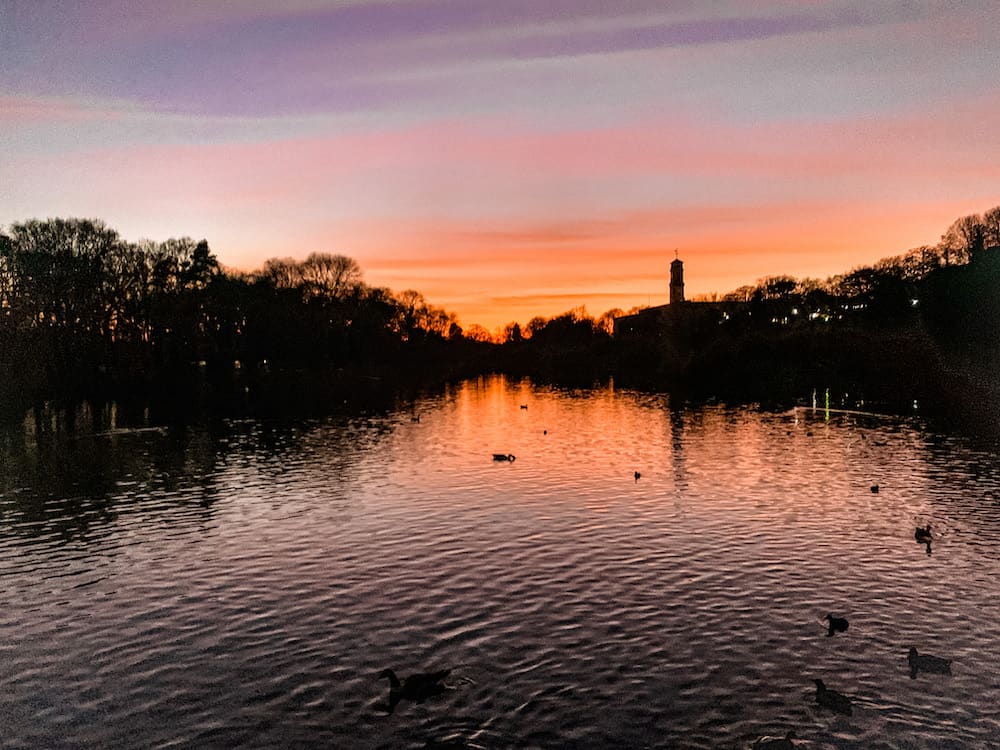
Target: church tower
{"points": [[676, 281]]}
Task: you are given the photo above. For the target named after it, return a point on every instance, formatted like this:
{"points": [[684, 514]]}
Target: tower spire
{"points": [[676, 279]]}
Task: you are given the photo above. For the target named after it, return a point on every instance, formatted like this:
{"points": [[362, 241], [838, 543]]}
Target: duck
{"points": [[504, 457], [832, 699], [927, 663], [775, 743], [524, 406], [874, 489], [923, 535], [417, 687], [637, 475], [837, 625]]}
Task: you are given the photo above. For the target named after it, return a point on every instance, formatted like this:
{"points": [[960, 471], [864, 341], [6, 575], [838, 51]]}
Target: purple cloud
{"points": [[325, 61]]}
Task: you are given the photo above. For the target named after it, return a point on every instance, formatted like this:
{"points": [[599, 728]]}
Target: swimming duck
{"points": [[637, 475], [504, 457], [524, 406], [775, 743], [837, 625], [874, 489], [417, 687], [832, 699], [923, 535], [927, 663]]}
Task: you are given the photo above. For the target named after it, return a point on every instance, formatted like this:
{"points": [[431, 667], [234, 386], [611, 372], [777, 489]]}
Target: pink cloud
{"points": [[469, 211], [23, 110]]}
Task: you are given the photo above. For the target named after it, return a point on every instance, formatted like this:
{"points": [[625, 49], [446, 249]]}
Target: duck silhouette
{"points": [[874, 489], [927, 663], [923, 535], [637, 475], [837, 625], [832, 699], [775, 743], [504, 457], [417, 687]]}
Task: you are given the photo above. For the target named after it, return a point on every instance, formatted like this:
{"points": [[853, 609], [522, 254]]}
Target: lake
{"points": [[241, 582]]}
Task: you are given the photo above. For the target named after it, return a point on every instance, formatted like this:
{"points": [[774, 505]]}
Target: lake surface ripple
{"points": [[242, 583]]}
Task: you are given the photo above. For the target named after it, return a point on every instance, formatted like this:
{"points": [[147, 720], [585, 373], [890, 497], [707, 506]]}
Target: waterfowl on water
{"points": [[832, 699], [637, 475], [504, 457], [923, 535], [837, 625], [874, 489], [524, 406], [417, 687], [775, 743], [927, 663]]}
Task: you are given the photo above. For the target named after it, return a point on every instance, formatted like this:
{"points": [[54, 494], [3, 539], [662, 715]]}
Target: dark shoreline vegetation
{"points": [[85, 314]]}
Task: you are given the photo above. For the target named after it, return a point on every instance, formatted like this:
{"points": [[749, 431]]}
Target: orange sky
{"points": [[513, 164]]}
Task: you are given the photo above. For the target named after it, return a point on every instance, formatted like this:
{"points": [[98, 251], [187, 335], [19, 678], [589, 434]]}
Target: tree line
{"points": [[905, 324], [82, 311], [889, 279]]}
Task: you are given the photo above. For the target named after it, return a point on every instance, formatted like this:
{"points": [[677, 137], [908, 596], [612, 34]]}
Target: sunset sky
{"points": [[509, 158]]}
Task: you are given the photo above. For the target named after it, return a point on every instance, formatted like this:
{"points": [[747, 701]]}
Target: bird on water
{"points": [[837, 625], [417, 687], [504, 457], [923, 535], [832, 699], [927, 663], [874, 489], [637, 475]]}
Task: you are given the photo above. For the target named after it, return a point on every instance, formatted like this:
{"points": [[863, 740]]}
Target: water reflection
{"points": [[240, 581]]}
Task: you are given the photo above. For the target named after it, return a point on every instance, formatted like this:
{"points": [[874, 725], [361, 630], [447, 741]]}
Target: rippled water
{"points": [[241, 584]]}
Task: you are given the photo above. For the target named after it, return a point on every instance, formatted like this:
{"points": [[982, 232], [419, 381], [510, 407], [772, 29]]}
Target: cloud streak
{"points": [[320, 57]]}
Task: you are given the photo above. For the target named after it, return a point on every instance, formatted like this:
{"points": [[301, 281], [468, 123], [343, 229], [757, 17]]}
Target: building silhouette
{"points": [[684, 321], [676, 281], [651, 320]]}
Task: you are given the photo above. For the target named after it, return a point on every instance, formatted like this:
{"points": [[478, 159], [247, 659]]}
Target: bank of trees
{"points": [[82, 309], [967, 237], [937, 302]]}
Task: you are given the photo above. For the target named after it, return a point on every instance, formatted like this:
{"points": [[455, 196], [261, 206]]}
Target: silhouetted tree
{"points": [[282, 273], [511, 334], [776, 288], [476, 332], [991, 227], [334, 276], [741, 294], [606, 322], [966, 234]]}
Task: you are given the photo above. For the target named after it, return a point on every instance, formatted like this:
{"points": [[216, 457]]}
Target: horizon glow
{"points": [[508, 160]]}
